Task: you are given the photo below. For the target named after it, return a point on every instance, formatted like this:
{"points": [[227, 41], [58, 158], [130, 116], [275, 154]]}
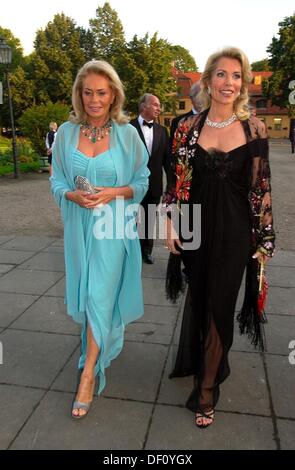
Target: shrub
{"points": [[25, 150], [35, 122], [8, 169]]}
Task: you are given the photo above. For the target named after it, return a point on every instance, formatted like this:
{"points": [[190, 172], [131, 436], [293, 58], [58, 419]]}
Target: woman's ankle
{"points": [[88, 375]]}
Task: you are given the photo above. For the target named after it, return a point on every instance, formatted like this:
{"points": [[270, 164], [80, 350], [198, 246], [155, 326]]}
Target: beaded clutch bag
{"points": [[83, 184]]}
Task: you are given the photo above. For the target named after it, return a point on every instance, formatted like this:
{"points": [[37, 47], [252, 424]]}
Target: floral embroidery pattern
{"points": [[183, 148], [183, 180], [260, 203]]}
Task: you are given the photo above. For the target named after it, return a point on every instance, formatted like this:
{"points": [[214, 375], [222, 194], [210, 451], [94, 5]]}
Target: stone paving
{"points": [[140, 407]]}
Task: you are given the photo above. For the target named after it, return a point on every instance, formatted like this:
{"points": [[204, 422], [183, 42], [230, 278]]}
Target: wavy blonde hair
{"points": [[103, 68], [241, 102]]}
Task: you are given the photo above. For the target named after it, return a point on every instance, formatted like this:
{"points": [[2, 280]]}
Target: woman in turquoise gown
{"points": [[101, 246]]}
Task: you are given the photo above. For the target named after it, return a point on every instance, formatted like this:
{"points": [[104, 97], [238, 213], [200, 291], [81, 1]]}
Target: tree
{"points": [[108, 34], [16, 49], [145, 67], [282, 63], [35, 121], [260, 66], [56, 59], [14, 69], [134, 78], [22, 90], [87, 43], [182, 59]]}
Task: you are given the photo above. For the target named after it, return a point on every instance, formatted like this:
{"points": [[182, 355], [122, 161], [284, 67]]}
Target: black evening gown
{"points": [[220, 184], [234, 192]]}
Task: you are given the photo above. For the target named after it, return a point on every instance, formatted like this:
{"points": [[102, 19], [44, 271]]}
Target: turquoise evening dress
{"points": [[104, 256], [103, 273]]}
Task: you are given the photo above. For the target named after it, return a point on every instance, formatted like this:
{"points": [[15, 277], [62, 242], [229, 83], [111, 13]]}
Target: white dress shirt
{"points": [[148, 134]]}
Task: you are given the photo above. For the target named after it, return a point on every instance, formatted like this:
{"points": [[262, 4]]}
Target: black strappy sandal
{"points": [[201, 414]]}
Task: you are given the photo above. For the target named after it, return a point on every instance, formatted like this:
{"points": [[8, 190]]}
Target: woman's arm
{"points": [[58, 180], [261, 201]]}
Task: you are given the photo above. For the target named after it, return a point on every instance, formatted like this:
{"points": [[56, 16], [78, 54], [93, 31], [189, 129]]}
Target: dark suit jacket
{"points": [[158, 159]]}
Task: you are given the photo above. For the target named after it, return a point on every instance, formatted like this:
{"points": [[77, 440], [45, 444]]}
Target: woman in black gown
{"points": [[221, 163]]}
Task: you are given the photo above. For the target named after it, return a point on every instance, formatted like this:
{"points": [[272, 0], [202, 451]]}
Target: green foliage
{"points": [[61, 48], [14, 70], [260, 66], [16, 49], [56, 60], [22, 91], [28, 159], [87, 43], [282, 63], [35, 122], [182, 59], [23, 168], [107, 33], [145, 67], [143, 64], [134, 78]]}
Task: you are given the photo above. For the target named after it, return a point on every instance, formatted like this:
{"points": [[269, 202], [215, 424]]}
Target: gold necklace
{"points": [[95, 133]]}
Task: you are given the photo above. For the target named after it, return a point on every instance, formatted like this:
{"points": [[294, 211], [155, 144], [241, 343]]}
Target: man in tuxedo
{"points": [[196, 107], [155, 138]]}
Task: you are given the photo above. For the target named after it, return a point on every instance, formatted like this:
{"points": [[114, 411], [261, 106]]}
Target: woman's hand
{"points": [[172, 238], [261, 257], [104, 196], [79, 197]]}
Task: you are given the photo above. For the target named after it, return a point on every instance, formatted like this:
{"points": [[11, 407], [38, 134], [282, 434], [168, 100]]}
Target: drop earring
{"points": [[209, 90]]}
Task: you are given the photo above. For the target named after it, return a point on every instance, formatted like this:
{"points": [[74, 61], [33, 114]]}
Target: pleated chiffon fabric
{"points": [[101, 246]]}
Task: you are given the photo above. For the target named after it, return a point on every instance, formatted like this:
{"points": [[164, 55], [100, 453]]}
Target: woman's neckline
{"points": [[222, 151], [91, 158]]}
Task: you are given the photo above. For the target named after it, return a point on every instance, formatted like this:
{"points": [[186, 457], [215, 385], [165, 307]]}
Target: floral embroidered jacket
{"points": [[184, 150]]}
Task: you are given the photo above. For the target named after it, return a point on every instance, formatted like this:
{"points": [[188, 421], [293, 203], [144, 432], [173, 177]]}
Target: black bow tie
{"points": [[149, 124]]}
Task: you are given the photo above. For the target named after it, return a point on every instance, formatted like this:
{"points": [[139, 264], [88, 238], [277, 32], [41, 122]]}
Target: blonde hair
{"points": [[99, 67], [241, 102], [52, 125]]}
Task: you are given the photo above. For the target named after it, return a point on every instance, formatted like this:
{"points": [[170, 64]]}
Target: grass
{"points": [[28, 159], [8, 169]]}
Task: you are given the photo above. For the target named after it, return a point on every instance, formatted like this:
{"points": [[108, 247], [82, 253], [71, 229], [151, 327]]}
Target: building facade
{"points": [[276, 119]]}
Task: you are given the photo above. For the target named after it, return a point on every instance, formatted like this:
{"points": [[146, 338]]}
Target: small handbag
{"points": [[83, 184]]}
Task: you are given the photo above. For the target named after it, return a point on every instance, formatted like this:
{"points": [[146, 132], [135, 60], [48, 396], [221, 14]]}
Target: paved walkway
{"points": [[140, 407]]}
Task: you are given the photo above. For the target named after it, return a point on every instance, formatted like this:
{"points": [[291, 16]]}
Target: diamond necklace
{"points": [[95, 133], [220, 125]]}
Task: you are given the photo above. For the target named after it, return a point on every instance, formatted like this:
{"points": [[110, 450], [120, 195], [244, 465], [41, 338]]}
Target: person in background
{"points": [[49, 142], [252, 110], [155, 138], [196, 107], [102, 251]]}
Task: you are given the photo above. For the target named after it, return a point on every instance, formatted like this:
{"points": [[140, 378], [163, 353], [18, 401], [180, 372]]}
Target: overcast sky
{"points": [[200, 26]]}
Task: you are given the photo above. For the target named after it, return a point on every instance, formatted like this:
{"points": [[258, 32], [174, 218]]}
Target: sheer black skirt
{"points": [[214, 279]]}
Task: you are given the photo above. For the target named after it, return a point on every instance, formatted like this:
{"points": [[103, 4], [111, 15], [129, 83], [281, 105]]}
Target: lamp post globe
{"points": [[5, 59]]}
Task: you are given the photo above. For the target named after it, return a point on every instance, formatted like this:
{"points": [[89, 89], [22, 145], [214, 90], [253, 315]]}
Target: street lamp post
{"points": [[5, 59]]}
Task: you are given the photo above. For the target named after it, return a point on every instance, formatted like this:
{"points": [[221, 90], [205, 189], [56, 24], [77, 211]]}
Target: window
{"points": [[181, 105], [277, 124], [257, 80], [260, 104], [167, 122]]}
